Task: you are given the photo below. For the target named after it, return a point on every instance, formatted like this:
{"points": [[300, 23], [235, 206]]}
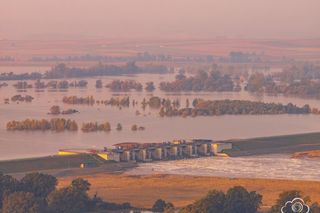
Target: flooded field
{"points": [[15, 144]]}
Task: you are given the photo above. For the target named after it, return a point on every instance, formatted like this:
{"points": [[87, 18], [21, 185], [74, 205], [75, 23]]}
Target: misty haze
{"points": [[176, 106]]}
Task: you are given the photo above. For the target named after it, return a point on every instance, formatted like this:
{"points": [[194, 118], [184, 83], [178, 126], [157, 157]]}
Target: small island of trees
{"points": [[4, 84], [78, 100], [54, 124], [26, 98], [55, 110], [232, 107], [124, 86], [213, 81], [90, 100], [299, 81], [94, 127]]}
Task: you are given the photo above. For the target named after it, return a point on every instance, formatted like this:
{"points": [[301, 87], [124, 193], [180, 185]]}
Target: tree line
{"points": [[38, 193], [90, 100], [212, 81], [232, 107], [61, 124], [63, 71], [54, 124]]}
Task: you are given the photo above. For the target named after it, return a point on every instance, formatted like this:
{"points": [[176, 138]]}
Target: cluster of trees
{"points": [[90, 100], [55, 110], [4, 84], [157, 102], [63, 71], [78, 100], [239, 200], [55, 124], [118, 101], [236, 200], [37, 193], [99, 84], [38, 84], [163, 206], [298, 72], [26, 98], [300, 81], [22, 85], [135, 127], [124, 86], [60, 84], [232, 107], [94, 127], [150, 86], [61, 124], [7, 76], [202, 81]]}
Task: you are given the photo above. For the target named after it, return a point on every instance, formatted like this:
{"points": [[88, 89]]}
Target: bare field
{"points": [[142, 191], [24, 50]]}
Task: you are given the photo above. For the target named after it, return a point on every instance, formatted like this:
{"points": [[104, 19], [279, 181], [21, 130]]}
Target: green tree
{"points": [[285, 197], [212, 203], [162, 206], [239, 200], [119, 127], [72, 199], [39, 184], [315, 208], [80, 185], [22, 202], [7, 185]]}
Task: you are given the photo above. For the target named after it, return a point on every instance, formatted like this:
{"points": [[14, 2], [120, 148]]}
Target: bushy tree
{"points": [[162, 206], [285, 197], [214, 202], [315, 208], [239, 200], [72, 199], [22, 202], [8, 185], [236, 200], [38, 184]]}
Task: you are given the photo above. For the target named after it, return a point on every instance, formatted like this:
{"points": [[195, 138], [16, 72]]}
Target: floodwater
{"points": [[19, 144], [240, 167]]}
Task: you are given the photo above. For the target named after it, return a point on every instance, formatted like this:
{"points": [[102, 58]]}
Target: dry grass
{"points": [[142, 191], [308, 154]]}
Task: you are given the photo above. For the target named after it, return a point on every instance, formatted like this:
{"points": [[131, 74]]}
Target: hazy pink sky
{"points": [[27, 19]]}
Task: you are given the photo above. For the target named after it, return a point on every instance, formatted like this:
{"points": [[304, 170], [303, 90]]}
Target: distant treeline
{"points": [[88, 57], [232, 107], [62, 71], [233, 57]]}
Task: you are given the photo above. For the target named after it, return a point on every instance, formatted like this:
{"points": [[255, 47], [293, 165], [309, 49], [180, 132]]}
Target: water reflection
{"points": [[27, 144]]}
